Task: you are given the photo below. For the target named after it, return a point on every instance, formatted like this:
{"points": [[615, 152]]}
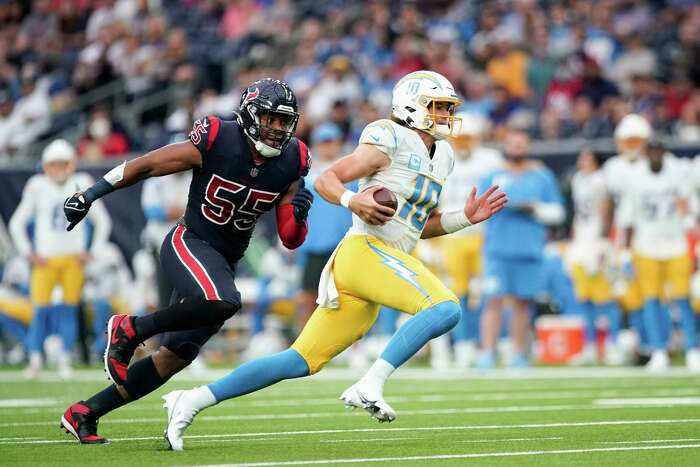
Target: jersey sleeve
{"points": [[304, 158], [204, 133], [382, 135]]}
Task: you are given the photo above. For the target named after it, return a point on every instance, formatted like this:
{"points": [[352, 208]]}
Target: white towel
{"points": [[328, 296]]}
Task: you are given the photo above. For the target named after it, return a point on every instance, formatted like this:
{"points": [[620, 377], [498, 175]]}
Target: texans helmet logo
{"points": [[251, 95]]}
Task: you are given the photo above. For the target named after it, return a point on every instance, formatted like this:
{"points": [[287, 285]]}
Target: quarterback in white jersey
{"points": [[57, 256], [658, 211], [372, 265]]}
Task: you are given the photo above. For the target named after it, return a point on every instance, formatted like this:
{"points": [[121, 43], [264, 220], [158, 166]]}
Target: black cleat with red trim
{"points": [[121, 343], [79, 422]]}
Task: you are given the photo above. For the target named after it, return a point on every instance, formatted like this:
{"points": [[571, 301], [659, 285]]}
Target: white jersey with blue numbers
{"points": [[413, 176], [651, 208], [42, 204]]}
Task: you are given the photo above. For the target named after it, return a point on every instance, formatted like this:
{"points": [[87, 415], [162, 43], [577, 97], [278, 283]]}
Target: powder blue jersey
{"points": [[512, 233]]}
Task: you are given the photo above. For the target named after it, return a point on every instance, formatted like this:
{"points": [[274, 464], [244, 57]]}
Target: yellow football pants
{"points": [[367, 274], [66, 271], [17, 308], [459, 260], [591, 288], [669, 279]]}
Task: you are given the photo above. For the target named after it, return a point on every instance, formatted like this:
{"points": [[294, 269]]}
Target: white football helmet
{"points": [[632, 134], [415, 99]]}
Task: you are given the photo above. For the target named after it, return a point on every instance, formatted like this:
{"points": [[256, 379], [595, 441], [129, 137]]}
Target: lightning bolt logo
{"points": [[400, 269]]}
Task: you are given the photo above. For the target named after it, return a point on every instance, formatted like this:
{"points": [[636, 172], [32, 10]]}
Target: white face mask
{"points": [[99, 128]]}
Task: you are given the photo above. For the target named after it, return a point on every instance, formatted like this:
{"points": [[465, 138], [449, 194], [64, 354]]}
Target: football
{"points": [[387, 198]]}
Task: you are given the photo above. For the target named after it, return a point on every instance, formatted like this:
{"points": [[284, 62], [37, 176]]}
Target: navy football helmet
{"points": [[268, 115]]}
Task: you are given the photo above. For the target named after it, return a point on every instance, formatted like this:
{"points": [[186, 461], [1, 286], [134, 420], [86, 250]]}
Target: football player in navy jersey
{"points": [[241, 169]]}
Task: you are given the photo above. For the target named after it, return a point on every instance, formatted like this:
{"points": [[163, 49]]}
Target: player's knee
{"points": [[451, 314], [172, 359], [224, 309]]}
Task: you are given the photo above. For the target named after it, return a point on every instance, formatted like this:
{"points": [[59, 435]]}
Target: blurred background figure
{"points": [[15, 309], [108, 284], [514, 245], [57, 257], [632, 135], [657, 212], [327, 222], [275, 306], [588, 255], [163, 203]]}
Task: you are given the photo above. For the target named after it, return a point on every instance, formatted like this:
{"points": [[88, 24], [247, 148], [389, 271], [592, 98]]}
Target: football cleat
{"points": [[375, 405], [78, 421], [692, 360], [121, 343], [659, 362], [180, 416]]}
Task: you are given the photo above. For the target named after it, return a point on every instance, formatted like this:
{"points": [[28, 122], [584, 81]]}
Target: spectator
{"points": [[508, 67], [637, 59], [31, 115], [340, 83], [102, 139], [514, 245]]}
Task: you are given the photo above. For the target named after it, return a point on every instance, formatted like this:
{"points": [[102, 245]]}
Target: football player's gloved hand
{"points": [[75, 208], [302, 202]]}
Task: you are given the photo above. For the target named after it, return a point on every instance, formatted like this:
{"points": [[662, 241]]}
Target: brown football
{"points": [[387, 198]]}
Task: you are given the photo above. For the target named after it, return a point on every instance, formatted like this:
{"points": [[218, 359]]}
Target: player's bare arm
{"points": [[476, 209], [364, 161], [167, 160]]}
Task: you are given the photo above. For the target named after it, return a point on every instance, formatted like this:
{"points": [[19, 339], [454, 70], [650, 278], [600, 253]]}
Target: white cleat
{"points": [[659, 362], [374, 404], [180, 416], [692, 360]]}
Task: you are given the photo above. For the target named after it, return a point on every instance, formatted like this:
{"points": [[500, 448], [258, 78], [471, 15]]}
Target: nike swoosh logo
{"points": [[375, 138], [364, 400], [114, 339]]}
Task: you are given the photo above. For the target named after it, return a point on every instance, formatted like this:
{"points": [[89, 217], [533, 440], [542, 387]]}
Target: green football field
{"points": [[557, 417]]}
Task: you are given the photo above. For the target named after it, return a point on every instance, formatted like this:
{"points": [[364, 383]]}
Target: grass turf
{"points": [[547, 418]]}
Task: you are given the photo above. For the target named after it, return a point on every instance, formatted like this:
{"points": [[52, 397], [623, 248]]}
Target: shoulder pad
{"points": [[204, 132]]}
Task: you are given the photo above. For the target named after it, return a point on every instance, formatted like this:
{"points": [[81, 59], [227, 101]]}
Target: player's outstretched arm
{"points": [[169, 159], [292, 211], [365, 160], [476, 209]]}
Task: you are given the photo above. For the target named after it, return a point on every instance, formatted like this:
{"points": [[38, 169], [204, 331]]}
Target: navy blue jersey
{"points": [[229, 191]]}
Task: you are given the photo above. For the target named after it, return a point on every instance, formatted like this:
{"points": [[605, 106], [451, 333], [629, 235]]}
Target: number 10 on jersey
{"points": [[418, 207]]}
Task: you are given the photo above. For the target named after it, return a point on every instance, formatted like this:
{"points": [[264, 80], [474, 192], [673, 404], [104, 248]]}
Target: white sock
{"points": [[35, 360], [201, 397], [377, 374]]}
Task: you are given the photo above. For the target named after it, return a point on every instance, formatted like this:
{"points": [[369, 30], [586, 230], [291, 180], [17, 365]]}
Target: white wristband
{"points": [[346, 197], [454, 221]]}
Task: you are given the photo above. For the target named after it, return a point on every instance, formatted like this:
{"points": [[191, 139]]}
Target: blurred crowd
{"points": [[556, 69]]}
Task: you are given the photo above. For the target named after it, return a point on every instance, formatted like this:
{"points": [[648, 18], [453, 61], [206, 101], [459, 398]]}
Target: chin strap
{"points": [[265, 150]]}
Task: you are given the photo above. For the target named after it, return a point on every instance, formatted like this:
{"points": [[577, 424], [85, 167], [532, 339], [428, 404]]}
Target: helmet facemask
{"points": [[439, 125]]}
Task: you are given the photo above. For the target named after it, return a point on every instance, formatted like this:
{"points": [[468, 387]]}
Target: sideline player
{"points": [[241, 169], [57, 257], [588, 255], [631, 137], [658, 211], [372, 265]]}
